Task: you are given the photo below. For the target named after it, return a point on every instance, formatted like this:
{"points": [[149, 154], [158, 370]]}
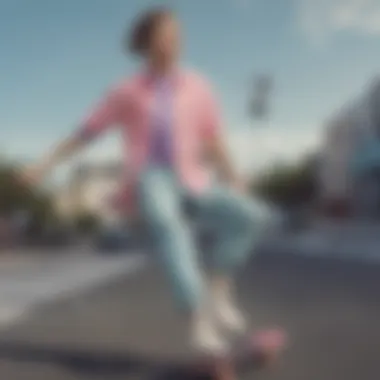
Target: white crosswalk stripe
{"points": [[25, 287]]}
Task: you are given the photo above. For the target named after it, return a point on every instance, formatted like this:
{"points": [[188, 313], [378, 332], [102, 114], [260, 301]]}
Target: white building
{"points": [[90, 188], [351, 150]]}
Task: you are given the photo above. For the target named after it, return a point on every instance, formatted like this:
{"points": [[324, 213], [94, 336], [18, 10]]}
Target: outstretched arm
{"points": [[63, 151], [105, 115], [220, 155], [214, 140]]}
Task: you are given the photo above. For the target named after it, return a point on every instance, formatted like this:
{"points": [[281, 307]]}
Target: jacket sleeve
{"points": [[211, 119], [105, 116]]}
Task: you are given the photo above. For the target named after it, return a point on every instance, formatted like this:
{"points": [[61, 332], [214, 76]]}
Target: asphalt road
{"points": [[330, 308]]}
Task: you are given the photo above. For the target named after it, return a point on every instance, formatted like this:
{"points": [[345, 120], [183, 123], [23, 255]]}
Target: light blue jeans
{"points": [[234, 219]]}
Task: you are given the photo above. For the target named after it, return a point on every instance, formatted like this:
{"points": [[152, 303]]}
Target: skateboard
{"points": [[256, 351]]}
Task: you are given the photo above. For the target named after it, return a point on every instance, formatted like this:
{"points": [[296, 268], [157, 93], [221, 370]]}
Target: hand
{"points": [[33, 175], [240, 185]]}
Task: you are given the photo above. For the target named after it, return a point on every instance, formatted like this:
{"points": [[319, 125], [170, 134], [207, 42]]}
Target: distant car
{"points": [[295, 219], [54, 239], [114, 241]]}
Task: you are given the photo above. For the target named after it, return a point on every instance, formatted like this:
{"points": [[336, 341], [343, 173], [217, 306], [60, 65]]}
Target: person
{"points": [[170, 122]]}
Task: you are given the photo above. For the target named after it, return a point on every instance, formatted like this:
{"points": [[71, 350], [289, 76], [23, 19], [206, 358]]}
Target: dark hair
{"points": [[140, 36]]}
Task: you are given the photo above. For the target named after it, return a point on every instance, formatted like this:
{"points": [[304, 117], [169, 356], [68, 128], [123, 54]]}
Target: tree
{"points": [[289, 185], [15, 196], [86, 223]]}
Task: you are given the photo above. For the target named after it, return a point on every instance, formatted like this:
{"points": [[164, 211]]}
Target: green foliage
{"points": [[86, 223], [288, 185], [16, 195]]}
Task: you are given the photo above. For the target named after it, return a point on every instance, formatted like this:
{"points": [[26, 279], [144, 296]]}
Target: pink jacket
{"points": [[128, 106]]}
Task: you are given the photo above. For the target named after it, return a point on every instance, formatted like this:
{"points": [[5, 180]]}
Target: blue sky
{"points": [[58, 57]]}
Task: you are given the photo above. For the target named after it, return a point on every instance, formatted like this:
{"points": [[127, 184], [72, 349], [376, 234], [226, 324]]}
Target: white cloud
{"points": [[321, 18]]}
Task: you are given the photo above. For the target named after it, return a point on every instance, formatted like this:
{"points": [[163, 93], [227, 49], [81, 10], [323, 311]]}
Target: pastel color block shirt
{"points": [[194, 120], [161, 149]]}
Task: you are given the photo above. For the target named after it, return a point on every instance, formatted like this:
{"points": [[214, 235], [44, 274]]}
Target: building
{"points": [[350, 164], [90, 188]]}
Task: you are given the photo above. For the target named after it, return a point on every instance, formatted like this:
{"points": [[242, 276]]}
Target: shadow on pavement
{"points": [[128, 329], [98, 364], [75, 360]]}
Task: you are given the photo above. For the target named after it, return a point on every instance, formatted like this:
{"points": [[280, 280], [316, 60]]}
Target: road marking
{"points": [[9, 315], [19, 295]]}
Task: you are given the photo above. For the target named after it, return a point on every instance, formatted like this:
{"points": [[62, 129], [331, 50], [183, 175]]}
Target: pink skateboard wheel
{"points": [[269, 341]]}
